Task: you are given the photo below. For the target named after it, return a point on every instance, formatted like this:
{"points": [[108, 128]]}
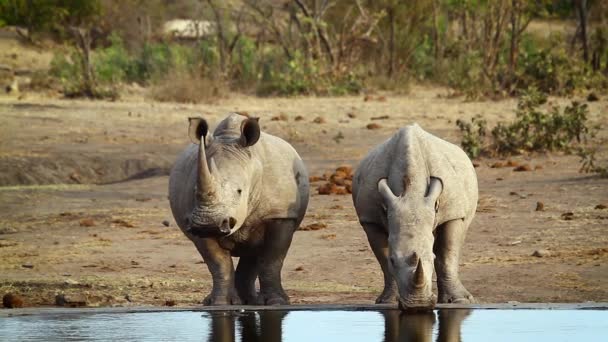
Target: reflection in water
{"points": [[267, 326], [419, 327], [295, 326], [252, 326]]}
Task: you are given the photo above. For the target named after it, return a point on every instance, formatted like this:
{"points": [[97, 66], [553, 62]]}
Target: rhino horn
{"points": [[206, 186], [419, 280], [198, 132]]}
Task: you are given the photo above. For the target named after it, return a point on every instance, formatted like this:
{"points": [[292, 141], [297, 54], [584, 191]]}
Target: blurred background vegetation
{"points": [[194, 50]]}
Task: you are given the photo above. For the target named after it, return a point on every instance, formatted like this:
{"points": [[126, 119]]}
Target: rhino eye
{"points": [[239, 191]]}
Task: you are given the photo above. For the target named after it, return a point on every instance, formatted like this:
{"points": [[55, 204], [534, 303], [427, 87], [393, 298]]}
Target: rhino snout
{"points": [[224, 227]]}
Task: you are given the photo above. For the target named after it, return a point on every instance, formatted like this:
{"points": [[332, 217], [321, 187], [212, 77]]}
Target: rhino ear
{"points": [[385, 191], [198, 129], [435, 189], [250, 132]]}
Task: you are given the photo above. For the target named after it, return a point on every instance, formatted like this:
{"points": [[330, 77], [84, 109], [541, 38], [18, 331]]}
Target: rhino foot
{"points": [[213, 299], [273, 299], [387, 297], [461, 296]]}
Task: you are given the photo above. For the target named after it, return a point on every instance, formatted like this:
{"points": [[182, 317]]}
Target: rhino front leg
{"points": [[277, 239], [219, 262], [378, 241], [447, 247], [246, 274]]}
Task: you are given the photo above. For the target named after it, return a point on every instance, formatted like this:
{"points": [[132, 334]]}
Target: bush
{"points": [[533, 130], [184, 87], [538, 130], [473, 135]]}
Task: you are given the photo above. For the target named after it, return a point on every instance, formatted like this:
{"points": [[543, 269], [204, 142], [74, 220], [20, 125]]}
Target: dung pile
{"points": [[339, 182]]}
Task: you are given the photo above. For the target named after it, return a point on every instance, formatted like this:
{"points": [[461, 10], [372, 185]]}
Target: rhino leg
{"points": [[245, 276], [447, 247], [219, 262], [378, 241], [277, 239]]}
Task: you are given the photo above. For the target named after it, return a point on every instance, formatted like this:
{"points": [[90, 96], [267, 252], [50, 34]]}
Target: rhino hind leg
{"points": [[219, 262], [447, 248], [378, 241], [245, 276], [277, 239]]}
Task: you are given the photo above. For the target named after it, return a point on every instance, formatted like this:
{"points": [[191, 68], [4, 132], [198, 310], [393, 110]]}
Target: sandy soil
{"points": [[84, 195]]}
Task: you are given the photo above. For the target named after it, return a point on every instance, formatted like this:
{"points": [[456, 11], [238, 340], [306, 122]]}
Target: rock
{"points": [[373, 126], [541, 253], [87, 222], [314, 226], [299, 118], [601, 206], [170, 302], [27, 265], [540, 206], [521, 168], [12, 301], [166, 223], [319, 120], [71, 282], [72, 301]]}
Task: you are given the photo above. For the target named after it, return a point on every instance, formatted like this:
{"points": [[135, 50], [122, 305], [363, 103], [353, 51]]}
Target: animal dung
{"points": [[524, 167], [313, 226], [540, 206], [338, 183], [319, 120], [87, 222], [373, 125]]}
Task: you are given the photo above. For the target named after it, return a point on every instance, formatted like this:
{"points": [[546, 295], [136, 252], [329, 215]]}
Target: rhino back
{"points": [[418, 155]]}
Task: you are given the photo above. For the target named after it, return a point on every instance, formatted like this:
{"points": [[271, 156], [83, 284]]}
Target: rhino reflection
{"points": [[260, 326], [419, 327]]}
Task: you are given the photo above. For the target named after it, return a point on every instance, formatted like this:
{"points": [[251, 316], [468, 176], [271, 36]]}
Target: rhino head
{"points": [[225, 179], [411, 220]]}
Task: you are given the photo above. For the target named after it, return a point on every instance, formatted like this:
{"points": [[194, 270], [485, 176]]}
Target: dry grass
{"points": [[188, 88]]}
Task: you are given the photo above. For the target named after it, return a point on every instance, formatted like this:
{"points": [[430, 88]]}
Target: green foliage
{"points": [[473, 135], [539, 130], [536, 129], [42, 15]]}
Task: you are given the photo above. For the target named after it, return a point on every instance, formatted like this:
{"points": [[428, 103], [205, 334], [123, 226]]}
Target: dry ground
{"points": [[107, 241]]}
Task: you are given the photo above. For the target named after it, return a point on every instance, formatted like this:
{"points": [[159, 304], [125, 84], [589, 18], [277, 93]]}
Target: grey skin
{"points": [[416, 195], [243, 193]]}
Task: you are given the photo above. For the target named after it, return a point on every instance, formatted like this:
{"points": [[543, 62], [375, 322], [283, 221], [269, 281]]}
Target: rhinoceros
{"points": [[240, 192], [415, 196]]}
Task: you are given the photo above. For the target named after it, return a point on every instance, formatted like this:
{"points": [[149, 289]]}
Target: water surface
{"points": [[292, 326]]}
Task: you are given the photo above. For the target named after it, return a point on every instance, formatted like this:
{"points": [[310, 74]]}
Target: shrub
{"points": [[538, 130], [185, 87], [473, 135]]}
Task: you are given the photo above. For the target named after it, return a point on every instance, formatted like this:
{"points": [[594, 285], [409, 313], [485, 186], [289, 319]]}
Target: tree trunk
{"points": [[582, 15], [83, 40], [391, 43]]}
